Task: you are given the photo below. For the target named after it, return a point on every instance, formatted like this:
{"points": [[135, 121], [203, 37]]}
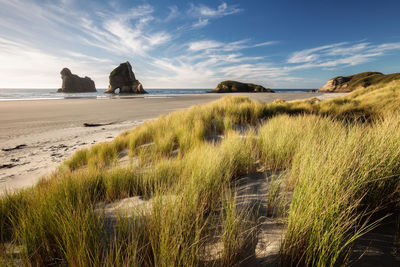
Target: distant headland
{"points": [[343, 84]]}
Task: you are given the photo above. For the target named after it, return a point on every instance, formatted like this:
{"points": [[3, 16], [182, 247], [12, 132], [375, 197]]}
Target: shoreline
{"points": [[26, 94], [113, 97], [51, 131]]}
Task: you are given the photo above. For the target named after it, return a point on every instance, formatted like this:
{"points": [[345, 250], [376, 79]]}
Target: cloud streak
{"points": [[34, 68], [209, 61], [213, 45], [204, 14], [127, 32], [203, 11], [342, 54]]}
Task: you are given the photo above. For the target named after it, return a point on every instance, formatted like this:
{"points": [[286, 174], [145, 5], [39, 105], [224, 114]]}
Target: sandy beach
{"points": [[37, 135]]}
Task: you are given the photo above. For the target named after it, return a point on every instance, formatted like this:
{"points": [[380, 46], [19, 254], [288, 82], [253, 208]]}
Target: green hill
{"points": [[360, 80]]}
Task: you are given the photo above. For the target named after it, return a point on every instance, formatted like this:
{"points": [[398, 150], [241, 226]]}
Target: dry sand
{"points": [[52, 130]]}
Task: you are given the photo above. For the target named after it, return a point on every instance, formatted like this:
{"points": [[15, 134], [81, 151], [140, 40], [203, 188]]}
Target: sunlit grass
{"points": [[351, 171], [341, 158]]}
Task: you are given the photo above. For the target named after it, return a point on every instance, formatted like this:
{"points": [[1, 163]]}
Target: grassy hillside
{"points": [[366, 79], [363, 80], [339, 158]]}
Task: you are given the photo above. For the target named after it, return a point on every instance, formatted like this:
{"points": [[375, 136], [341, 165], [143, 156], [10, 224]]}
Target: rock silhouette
{"points": [[236, 87], [123, 78], [72, 83]]}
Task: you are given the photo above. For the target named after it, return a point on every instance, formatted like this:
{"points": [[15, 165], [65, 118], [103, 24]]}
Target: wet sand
{"points": [[37, 135]]}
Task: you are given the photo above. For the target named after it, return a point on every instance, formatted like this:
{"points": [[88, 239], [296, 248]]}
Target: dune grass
{"points": [[346, 175], [341, 158]]}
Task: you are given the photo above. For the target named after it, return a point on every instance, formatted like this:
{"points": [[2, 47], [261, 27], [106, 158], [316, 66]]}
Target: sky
{"points": [[197, 44]]}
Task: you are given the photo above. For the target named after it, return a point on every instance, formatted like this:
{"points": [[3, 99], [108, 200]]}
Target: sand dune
{"points": [[52, 130]]}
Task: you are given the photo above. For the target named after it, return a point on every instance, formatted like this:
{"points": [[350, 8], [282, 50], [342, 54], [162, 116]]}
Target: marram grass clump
{"points": [[339, 157]]}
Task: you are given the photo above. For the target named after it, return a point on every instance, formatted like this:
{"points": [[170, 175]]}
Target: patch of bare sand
{"points": [[251, 193], [330, 95], [380, 246], [43, 152]]}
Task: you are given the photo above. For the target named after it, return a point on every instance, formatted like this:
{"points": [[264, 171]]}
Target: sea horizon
{"points": [[14, 94]]}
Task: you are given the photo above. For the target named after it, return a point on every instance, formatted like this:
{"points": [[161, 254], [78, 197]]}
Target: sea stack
{"points": [[72, 83], [123, 78], [238, 87]]}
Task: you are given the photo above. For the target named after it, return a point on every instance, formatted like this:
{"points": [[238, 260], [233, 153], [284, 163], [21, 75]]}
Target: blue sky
{"points": [[196, 44]]}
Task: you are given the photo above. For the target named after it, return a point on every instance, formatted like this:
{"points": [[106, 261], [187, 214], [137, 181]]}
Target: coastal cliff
{"points": [[360, 80]]}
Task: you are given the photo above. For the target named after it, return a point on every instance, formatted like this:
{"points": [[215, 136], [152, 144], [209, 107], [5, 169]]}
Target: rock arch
{"points": [[122, 77]]}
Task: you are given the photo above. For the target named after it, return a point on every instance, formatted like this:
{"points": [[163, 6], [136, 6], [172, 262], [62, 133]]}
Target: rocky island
{"points": [[123, 78], [343, 84], [72, 83], [238, 87]]}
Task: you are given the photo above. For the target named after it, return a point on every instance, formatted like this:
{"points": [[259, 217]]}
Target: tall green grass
{"points": [[61, 222], [280, 137], [341, 169], [337, 180]]}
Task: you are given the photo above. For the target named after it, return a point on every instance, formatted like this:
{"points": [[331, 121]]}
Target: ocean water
{"points": [[49, 94]]}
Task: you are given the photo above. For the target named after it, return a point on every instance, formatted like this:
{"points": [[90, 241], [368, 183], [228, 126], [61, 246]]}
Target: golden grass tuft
{"points": [[342, 157]]}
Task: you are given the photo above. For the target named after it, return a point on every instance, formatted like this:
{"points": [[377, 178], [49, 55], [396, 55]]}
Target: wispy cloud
{"points": [[206, 62], [209, 61], [204, 45], [31, 67], [204, 14], [127, 32], [266, 43], [309, 55], [87, 57], [340, 54], [204, 11], [213, 45], [173, 13], [200, 23]]}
